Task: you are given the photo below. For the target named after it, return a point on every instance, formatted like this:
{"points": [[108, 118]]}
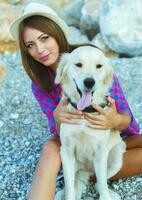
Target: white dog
{"points": [[86, 76]]}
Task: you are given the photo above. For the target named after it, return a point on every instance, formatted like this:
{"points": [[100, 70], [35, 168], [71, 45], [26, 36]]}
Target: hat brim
{"points": [[14, 27]]}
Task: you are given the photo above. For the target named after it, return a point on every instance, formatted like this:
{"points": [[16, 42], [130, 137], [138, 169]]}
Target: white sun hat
{"points": [[37, 9]]}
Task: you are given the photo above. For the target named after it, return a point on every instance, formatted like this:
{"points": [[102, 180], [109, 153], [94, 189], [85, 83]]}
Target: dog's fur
{"points": [[86, 151]]}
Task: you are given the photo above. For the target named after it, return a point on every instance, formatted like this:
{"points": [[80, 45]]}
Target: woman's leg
{"points": [[132, 160], [44, 181]]}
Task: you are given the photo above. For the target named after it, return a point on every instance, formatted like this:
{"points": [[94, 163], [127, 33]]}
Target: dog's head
{"points": [[85, 75]]}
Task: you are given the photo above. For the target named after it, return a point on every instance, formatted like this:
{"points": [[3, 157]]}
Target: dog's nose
{"points": [[89, 83]]}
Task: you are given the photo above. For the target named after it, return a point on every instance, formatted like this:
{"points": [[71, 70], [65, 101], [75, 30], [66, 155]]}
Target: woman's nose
{"points": [[39, 47]]}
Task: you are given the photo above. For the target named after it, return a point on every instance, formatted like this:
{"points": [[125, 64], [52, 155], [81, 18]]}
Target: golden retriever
{"points": [[85, 75]]}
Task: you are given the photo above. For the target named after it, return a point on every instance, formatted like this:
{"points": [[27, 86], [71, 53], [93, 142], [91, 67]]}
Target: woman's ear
{"points": [[61, 69]]}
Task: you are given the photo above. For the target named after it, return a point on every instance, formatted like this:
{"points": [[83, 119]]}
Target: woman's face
{"points": [[42, 47]]}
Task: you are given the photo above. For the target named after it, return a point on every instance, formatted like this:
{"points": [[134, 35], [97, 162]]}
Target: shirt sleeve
{"points": [[47, 106], [122, 105]]}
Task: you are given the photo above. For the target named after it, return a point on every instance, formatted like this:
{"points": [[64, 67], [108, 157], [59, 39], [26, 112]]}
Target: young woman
{"points": [[42, 36]]}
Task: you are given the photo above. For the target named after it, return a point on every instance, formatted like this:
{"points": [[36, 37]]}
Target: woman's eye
{"points": [[98, 66], [29, 46], [79, 65]]}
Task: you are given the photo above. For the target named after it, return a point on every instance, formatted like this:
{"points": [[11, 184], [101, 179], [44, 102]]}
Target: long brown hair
{"points": [[37, 72]]}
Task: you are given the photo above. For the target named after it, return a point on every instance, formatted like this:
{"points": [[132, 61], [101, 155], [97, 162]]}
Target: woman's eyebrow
{"points": [[41, 35]]}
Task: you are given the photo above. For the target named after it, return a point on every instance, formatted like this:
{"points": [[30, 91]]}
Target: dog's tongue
{"points": [[85, 100]]}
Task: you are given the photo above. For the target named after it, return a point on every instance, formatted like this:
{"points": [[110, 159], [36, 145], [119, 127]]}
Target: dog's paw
{"points": [[96, 187], [89, 198], [114, 195], [60, 195], [110, 196]]}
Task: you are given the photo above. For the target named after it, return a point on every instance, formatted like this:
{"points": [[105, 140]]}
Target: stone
{"points": [[89, 22], [121, 26]]}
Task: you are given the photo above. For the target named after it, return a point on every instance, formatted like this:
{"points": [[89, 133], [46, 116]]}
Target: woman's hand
{"points": [[106, 119], [62, 114]]}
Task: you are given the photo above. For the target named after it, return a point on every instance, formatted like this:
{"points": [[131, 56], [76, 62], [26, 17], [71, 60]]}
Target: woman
{"points": [[42, 36]]}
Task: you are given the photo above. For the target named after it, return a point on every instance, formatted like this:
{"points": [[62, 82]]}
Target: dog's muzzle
{"points": [[84, 103]]}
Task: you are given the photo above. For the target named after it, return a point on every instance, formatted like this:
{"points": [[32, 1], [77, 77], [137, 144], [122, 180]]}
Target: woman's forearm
{"points": [[122, 121]]}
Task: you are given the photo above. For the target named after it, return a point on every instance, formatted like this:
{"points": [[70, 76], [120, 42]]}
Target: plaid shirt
{"points": [[49, 100]]}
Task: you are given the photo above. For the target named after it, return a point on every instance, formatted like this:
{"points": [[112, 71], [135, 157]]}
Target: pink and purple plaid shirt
{"points": [[49, 100]]}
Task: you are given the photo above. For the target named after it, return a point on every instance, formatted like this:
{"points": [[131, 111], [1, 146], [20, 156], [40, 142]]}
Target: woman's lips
{"points": [[44, 58]]}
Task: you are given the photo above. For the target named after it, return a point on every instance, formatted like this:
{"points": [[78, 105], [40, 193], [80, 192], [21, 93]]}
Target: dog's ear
{"points": [[61, 69]]}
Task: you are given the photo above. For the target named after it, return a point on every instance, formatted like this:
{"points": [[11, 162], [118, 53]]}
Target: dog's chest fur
{"points": [[82, 140]]}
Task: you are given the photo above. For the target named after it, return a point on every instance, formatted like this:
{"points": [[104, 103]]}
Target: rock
{"points": [[72, 13], [27, 121], [98, 41], [14, 116], [1, 123], [120, 26], [89, 19], [76, 37], [3, 72], [6, 18], [57, 5], [14, 1], [8, 46]]}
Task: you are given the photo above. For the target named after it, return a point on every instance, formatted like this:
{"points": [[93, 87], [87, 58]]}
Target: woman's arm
{"points": [[55, 110], [122, 106], [47, 104], [123, 121]]}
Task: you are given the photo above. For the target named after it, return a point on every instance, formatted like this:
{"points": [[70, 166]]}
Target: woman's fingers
{"points": [[112, 102], [63, 114], [96, 126], [98, 117], [64, 101], [70, 121], [70, 115], [98, 108], [74, 114], [92, 121]]}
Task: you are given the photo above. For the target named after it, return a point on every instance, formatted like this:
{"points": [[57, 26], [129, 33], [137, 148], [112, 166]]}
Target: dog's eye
{"points": [[98, 66], [78, 64]]}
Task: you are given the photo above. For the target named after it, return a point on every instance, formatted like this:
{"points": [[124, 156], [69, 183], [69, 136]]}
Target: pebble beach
{"points": [[24, 129]]}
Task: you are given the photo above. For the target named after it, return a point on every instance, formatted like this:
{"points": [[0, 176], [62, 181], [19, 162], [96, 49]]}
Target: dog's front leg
{"points": [[68, 162], [81, 181], [100, 165]]}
